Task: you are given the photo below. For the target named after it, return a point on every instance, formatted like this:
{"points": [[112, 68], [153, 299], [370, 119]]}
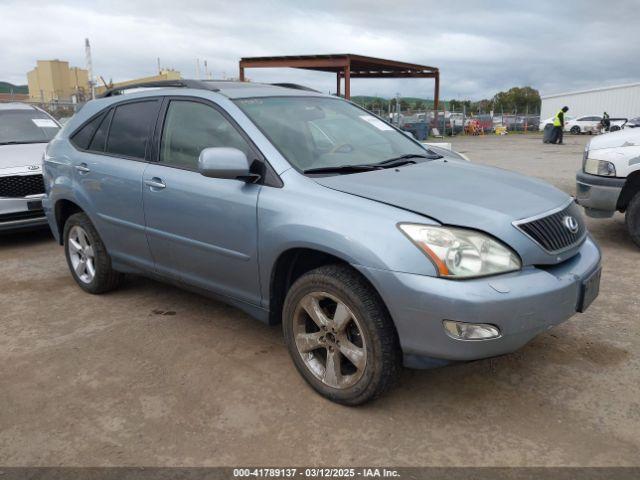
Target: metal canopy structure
{"points": [[347, 66]]}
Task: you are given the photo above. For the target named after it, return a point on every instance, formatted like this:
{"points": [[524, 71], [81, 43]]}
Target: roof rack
{"points": [[295, 86], [160, 84]]}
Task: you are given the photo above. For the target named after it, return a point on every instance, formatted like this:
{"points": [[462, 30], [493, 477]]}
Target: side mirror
{"points": [[222, 162]]}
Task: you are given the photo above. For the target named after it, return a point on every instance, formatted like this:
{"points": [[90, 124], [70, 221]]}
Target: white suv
{"points": [[610, 178], [24, 132]]}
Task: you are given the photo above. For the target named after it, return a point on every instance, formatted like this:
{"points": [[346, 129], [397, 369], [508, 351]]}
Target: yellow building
{"points": [[55, 80], [163, 75]]}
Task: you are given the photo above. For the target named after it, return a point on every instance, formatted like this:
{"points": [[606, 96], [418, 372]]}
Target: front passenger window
{"points": [[189, 128]]}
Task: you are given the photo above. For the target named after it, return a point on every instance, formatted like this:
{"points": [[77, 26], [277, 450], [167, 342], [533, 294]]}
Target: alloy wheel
{"points": [[81, 254], [330, 340]]}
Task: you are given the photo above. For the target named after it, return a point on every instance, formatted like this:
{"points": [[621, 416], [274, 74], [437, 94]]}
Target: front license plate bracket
{"points": [[589, 290]]}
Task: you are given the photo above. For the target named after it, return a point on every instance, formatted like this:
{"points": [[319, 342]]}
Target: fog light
{"points": [[470, 331]]}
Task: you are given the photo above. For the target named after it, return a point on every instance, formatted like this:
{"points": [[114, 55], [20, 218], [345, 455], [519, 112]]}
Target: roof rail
{"points": [[160, 84], [295, 86]]}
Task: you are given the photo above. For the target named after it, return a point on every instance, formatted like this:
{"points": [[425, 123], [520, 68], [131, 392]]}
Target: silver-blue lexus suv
{"points": [[372, 249]]}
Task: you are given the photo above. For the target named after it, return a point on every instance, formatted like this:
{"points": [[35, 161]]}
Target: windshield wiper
{"points": [[366, 167], [397, 161], [343, 169]]}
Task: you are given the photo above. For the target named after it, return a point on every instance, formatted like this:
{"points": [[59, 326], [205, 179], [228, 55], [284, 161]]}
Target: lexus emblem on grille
{"points": [[571, 223], [33, 167]]}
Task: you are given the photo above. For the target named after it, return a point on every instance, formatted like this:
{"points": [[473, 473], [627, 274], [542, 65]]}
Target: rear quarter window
{"points": [[99, 141], [82, 137]]}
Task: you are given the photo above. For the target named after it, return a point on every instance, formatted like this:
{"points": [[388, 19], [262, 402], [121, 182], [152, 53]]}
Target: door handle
{"points": [[82, 168], [155, 183]]}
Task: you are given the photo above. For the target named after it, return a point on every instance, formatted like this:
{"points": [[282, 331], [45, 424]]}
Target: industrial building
{"points": [[621, 101], [54, 80]]}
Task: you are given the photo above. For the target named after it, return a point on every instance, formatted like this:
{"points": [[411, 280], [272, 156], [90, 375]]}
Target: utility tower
{"points": [[87, 52]]}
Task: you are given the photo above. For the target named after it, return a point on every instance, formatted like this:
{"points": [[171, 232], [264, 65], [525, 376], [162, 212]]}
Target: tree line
{"points": [[516, 99]]}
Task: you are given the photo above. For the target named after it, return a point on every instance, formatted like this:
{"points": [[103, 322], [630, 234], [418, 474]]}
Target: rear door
{"points": [[202, 231], [115, 146]]}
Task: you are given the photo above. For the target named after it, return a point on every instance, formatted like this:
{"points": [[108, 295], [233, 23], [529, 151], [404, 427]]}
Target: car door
{"points": [[114, 147], [202, 231], [589, 123]]}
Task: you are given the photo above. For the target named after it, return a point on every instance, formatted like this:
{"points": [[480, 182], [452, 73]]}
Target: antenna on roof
{"points": [[87, 53]]}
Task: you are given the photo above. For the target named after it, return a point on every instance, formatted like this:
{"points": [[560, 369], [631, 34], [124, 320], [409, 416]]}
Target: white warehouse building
{"points": [[621, 101]]}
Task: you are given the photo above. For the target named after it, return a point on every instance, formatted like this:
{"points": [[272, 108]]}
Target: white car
{"points": [[585, 124], [610, 178], [543, 123], [592, 124], [25, 131]]}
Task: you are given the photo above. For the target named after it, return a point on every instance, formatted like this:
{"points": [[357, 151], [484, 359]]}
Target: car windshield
{"points": [[321, 133], [26, 126]]}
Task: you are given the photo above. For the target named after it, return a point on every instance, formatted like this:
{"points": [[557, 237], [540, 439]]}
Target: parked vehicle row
{"points": [[24, 132], [371, 249], [454, 123]]}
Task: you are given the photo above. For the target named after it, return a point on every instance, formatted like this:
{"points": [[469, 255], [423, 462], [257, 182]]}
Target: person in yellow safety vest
{"points": [[558, 126]]}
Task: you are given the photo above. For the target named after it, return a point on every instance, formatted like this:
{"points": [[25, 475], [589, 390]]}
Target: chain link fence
{"points": [[423, 123]]}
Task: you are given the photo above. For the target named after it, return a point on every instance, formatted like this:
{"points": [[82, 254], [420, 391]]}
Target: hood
{"points": [[21, 155], [622, 138], [459, 194]]}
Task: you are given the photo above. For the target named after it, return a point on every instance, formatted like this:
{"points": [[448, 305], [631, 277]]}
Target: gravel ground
{"points": [[152, 375]]}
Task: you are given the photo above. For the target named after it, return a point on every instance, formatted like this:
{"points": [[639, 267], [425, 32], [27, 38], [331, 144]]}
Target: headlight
{"points": [[461, 253], [599, 167]]}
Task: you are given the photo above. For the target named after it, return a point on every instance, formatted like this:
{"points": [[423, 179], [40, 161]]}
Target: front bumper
{"points": [[598, 195], [522, 304], [19, 213]]}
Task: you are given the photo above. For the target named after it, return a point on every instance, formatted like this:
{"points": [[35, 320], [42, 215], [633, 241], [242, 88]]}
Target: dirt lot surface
{"points": [[151, 375]]}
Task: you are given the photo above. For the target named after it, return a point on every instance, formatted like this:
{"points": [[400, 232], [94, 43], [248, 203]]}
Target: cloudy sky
{"points": [[480, 47]]}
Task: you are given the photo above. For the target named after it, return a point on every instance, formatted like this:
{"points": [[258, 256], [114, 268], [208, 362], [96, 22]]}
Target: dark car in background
{"points": [[633, 123]]}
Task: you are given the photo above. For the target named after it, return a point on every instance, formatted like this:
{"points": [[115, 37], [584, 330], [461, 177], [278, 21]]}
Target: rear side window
{"points": [[131, 127], [82, 137]]}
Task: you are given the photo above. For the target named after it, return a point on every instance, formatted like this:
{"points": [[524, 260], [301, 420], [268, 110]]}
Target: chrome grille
{"points": [[17, 186], [551, 232]]}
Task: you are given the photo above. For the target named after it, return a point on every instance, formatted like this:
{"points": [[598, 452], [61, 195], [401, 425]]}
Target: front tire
{"points": [[632, 219], [87, 257], [340, 335], [575, 130]]}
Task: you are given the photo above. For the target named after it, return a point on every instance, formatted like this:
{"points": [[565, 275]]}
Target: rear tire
{"points": [[87, 257], [632, 219], [347, 349]]}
